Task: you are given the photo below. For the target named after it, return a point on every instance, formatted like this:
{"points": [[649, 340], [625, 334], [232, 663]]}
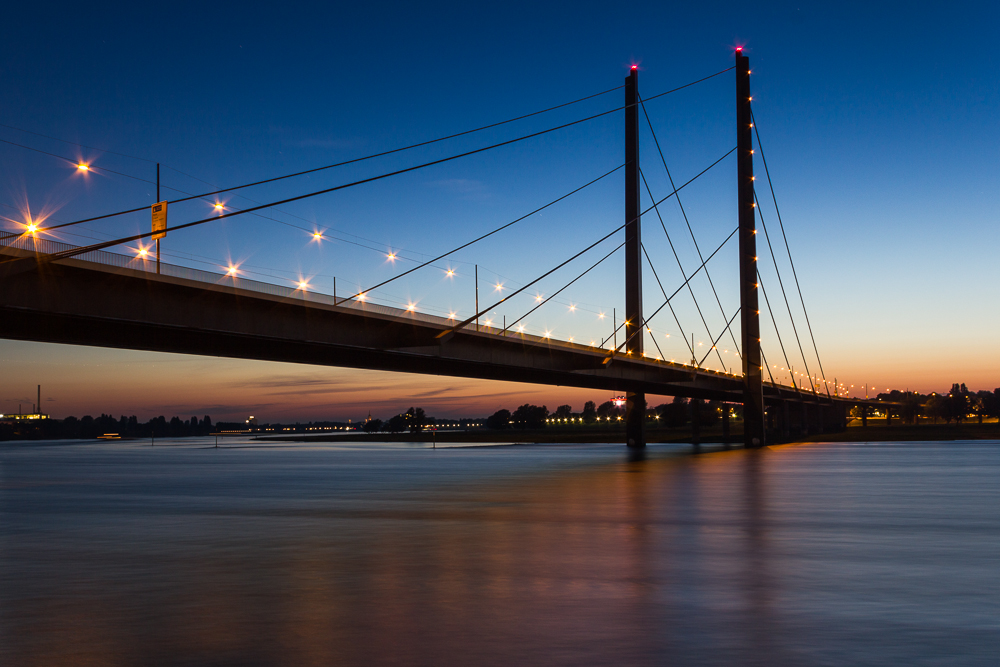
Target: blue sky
{"points": [[879, 125]]}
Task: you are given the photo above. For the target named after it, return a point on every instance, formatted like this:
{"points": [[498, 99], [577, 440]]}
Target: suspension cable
{"points": [[676, 292], [773, 383], [688, 85], [136, 237], [347, 185], [783, 294], [339, 164], [767, 302], [688, 223], [672, 312], [641, 213], [716, 341], [679, 265], [488, 234], [546, 300], [76, 164], [368, 157], [6, 235], [464, 323], [789, 250], [384, 153], [653, 338]]}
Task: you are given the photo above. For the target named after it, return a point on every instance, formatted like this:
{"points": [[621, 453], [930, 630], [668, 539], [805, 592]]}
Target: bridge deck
{"points": [[111, 300]]}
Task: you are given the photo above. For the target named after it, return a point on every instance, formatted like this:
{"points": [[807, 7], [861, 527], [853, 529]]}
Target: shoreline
{"points": [[872, 433]]}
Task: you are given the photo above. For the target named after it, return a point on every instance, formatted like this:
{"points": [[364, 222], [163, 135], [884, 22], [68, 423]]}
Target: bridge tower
{"points": [[753, 385], [635, 402]]}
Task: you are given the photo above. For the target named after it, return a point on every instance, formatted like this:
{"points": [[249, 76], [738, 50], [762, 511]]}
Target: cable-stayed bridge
{"points": [[53, 291]]}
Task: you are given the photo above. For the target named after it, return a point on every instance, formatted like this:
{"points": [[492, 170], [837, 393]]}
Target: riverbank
{"points": [[911, 433], [877, 432]]}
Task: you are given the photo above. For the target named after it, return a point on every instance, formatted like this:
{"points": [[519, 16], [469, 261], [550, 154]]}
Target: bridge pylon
{"points": [[753, 380], [635, 402]]}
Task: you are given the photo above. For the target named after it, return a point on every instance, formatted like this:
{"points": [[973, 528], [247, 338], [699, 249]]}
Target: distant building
{"points": [[36, 412], [20, 417]]}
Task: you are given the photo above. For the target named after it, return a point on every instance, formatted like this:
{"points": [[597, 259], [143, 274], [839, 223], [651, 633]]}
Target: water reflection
{"points": [[564, 555]]}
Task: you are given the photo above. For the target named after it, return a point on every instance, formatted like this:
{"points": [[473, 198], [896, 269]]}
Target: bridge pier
{"points": [[888, 416], [695, 422], [842, 414], [635, 419], [772, 420], [753, 381], [725, 423], [864, 415]]}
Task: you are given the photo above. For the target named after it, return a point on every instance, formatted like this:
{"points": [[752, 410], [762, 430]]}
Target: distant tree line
{"points": [[676, 413], [413, 420], [957, 405], [92, 427]]}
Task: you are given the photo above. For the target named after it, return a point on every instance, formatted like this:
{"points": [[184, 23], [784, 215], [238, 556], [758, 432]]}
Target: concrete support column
{"points": [[635, 402], [753, 381], [695, 422]]}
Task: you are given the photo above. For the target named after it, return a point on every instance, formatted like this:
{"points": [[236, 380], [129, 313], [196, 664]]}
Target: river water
{"points": [[288, 554]]}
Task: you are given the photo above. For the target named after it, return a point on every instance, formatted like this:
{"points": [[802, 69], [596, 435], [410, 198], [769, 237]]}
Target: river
{"points": [[119, 553]]}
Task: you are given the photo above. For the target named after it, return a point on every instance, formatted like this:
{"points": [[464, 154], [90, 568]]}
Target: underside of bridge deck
{"points": [[83, 303]]}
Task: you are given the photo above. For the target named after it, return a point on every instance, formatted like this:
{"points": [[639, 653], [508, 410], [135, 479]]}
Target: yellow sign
{"points": [[159, 220]]}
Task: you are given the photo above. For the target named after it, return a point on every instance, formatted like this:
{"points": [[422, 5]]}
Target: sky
{"points": [[878, 123]]}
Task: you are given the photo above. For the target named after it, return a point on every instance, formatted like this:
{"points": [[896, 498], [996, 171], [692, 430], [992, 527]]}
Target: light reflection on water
{"points": [[257, 553]]}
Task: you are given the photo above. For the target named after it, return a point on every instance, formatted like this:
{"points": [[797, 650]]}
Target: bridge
{"points": [[57, 292]]}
